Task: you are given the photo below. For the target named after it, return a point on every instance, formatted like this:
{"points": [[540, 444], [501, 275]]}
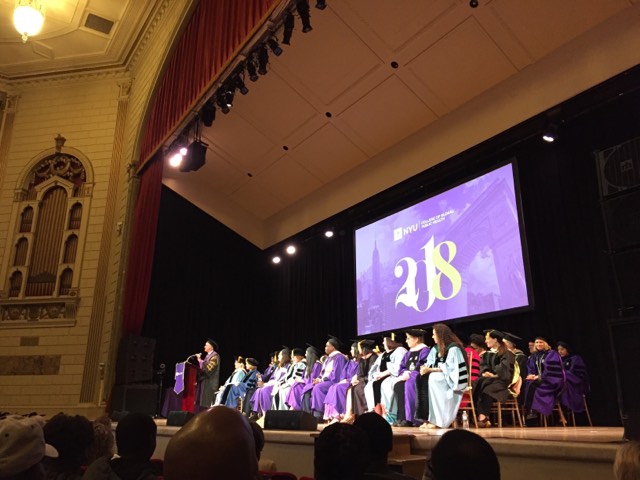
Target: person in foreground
{"points": [[136, 441], [461, 455], [216, 444], [627, 463], [340, 453]]}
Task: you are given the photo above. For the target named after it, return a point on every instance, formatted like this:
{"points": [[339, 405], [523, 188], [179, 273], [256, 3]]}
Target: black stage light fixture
{"points": [[239, 84], [288, 28], [195, 158], [263, 59], [303, 10], [321, 4], [221, 100], [251, 69], [473, 3], [208, 113], [275, 48]]}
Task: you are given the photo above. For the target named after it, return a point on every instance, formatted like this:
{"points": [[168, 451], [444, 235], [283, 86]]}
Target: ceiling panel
{"points": [[287, 180], [254, 198]]}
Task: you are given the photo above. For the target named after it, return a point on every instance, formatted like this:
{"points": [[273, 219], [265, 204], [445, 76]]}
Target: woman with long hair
{"points": [[447, 373], [545, 380]]}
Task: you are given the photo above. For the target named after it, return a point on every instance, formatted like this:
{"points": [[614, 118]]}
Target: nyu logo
{"points": [[400, 232]]}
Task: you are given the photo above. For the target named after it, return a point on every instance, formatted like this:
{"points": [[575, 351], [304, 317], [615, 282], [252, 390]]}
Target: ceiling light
{"points": [[473, 3], [28, 17], [175, 160], [328, 233], [183, 151], [303, 10], [276, 259], [291, 249], [550, 134], [288, 28]]}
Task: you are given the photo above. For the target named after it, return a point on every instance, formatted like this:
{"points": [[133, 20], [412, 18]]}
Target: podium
{"points": [[186, 385]]}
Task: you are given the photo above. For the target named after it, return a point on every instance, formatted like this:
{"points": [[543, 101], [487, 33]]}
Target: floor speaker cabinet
{"points": [[134, 363], [289, 420], [178, 418], [135, 398], [624, 333]]}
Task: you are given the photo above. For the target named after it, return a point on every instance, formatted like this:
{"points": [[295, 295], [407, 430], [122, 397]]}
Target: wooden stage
{"points": [[586, 453]]}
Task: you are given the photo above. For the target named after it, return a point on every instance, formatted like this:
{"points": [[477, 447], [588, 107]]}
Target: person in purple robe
{"points": [[331, 373], [305, 383], [261, 400], [410, 403], [336, 400], [545, 380], [577, 385]]}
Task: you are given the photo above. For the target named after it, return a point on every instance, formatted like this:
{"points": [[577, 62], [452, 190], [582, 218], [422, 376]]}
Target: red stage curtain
{"points": [[215, 33]]}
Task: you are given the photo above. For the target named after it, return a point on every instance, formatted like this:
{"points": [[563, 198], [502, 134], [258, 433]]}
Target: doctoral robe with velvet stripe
{"points": [[541, 394]]}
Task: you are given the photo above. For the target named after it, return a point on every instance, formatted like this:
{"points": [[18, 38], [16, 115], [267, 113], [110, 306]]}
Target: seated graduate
{"points": [[446, 370], [356, 401], [294, 373], [335, 402], [577, 385], [302, 385], [313, 400], [244, 389], [234, 379], [409, 403], [261, 399], [497, 369], [385, 368], [473, 350], [545, 380]]}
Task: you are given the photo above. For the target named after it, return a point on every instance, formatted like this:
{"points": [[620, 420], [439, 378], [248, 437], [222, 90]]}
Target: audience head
{"points": [[340, 453], [215, 444], [374, 426], [103, 441], [22, 447], [258, 437], [627, 463], [72, 437], [136, 436], [460, 455]]}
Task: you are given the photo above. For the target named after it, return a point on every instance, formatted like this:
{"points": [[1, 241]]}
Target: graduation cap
{"points": [[335, 341], [416, 332], [212, 343], [252, 361], [477, 339], [560, 343], [542, 338], [284, 347], [313, 349], [297, 352], [497, 334], [511, 337], [368, 344]]}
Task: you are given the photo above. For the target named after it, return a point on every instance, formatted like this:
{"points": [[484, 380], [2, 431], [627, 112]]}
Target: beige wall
{"points": [[101, 115]]}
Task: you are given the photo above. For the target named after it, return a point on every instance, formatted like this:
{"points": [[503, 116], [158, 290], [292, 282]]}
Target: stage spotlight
{"points": [[195, 158], [276, 259], [288, 28], [208, 113], [263, 59], [550, 134], [473, 3], [175, 160], [239, 84], [251, 70], [275, 48], [183, 151], [223, 101], [328, 233], [291, 250], [303, 10], [321, 4]]}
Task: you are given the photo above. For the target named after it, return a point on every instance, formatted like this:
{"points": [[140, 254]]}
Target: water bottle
{"points": [[465, 420]]}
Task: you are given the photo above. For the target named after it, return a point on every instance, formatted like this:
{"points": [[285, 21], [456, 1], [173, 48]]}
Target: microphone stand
{"points": [[160, 374]]}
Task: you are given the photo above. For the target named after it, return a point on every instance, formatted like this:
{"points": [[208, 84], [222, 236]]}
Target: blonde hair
{"points": [[627, 463]]}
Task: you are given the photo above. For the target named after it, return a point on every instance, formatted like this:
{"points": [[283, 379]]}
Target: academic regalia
{"points": [[387, 362], [261, 399], [541, 394], [496, 388], [405, 408], [447, 387], [281, 390], [331, 373], [336, 400], [358, 400], [233, 392], [209, 379], [475, 371], [577, 384], [234, 379], [297, 390]]}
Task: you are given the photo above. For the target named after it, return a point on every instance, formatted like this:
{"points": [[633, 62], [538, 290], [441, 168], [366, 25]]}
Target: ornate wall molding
{"points": [[47, 312]]}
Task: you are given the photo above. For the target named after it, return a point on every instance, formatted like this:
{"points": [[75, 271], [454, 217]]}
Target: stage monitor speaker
{"points": [[289, 420], [134, 363], [118, 415], [178, 418], [135, 398]]}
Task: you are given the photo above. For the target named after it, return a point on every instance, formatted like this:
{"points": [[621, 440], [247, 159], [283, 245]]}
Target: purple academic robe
{"points": [[261, 400], [294, 397], [335, 403], [331, 373], [410, 395], [548, 366], [577, 383]]}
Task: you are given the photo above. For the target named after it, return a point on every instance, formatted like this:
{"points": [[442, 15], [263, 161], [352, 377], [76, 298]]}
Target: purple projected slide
{"points": [[453, 255]]}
